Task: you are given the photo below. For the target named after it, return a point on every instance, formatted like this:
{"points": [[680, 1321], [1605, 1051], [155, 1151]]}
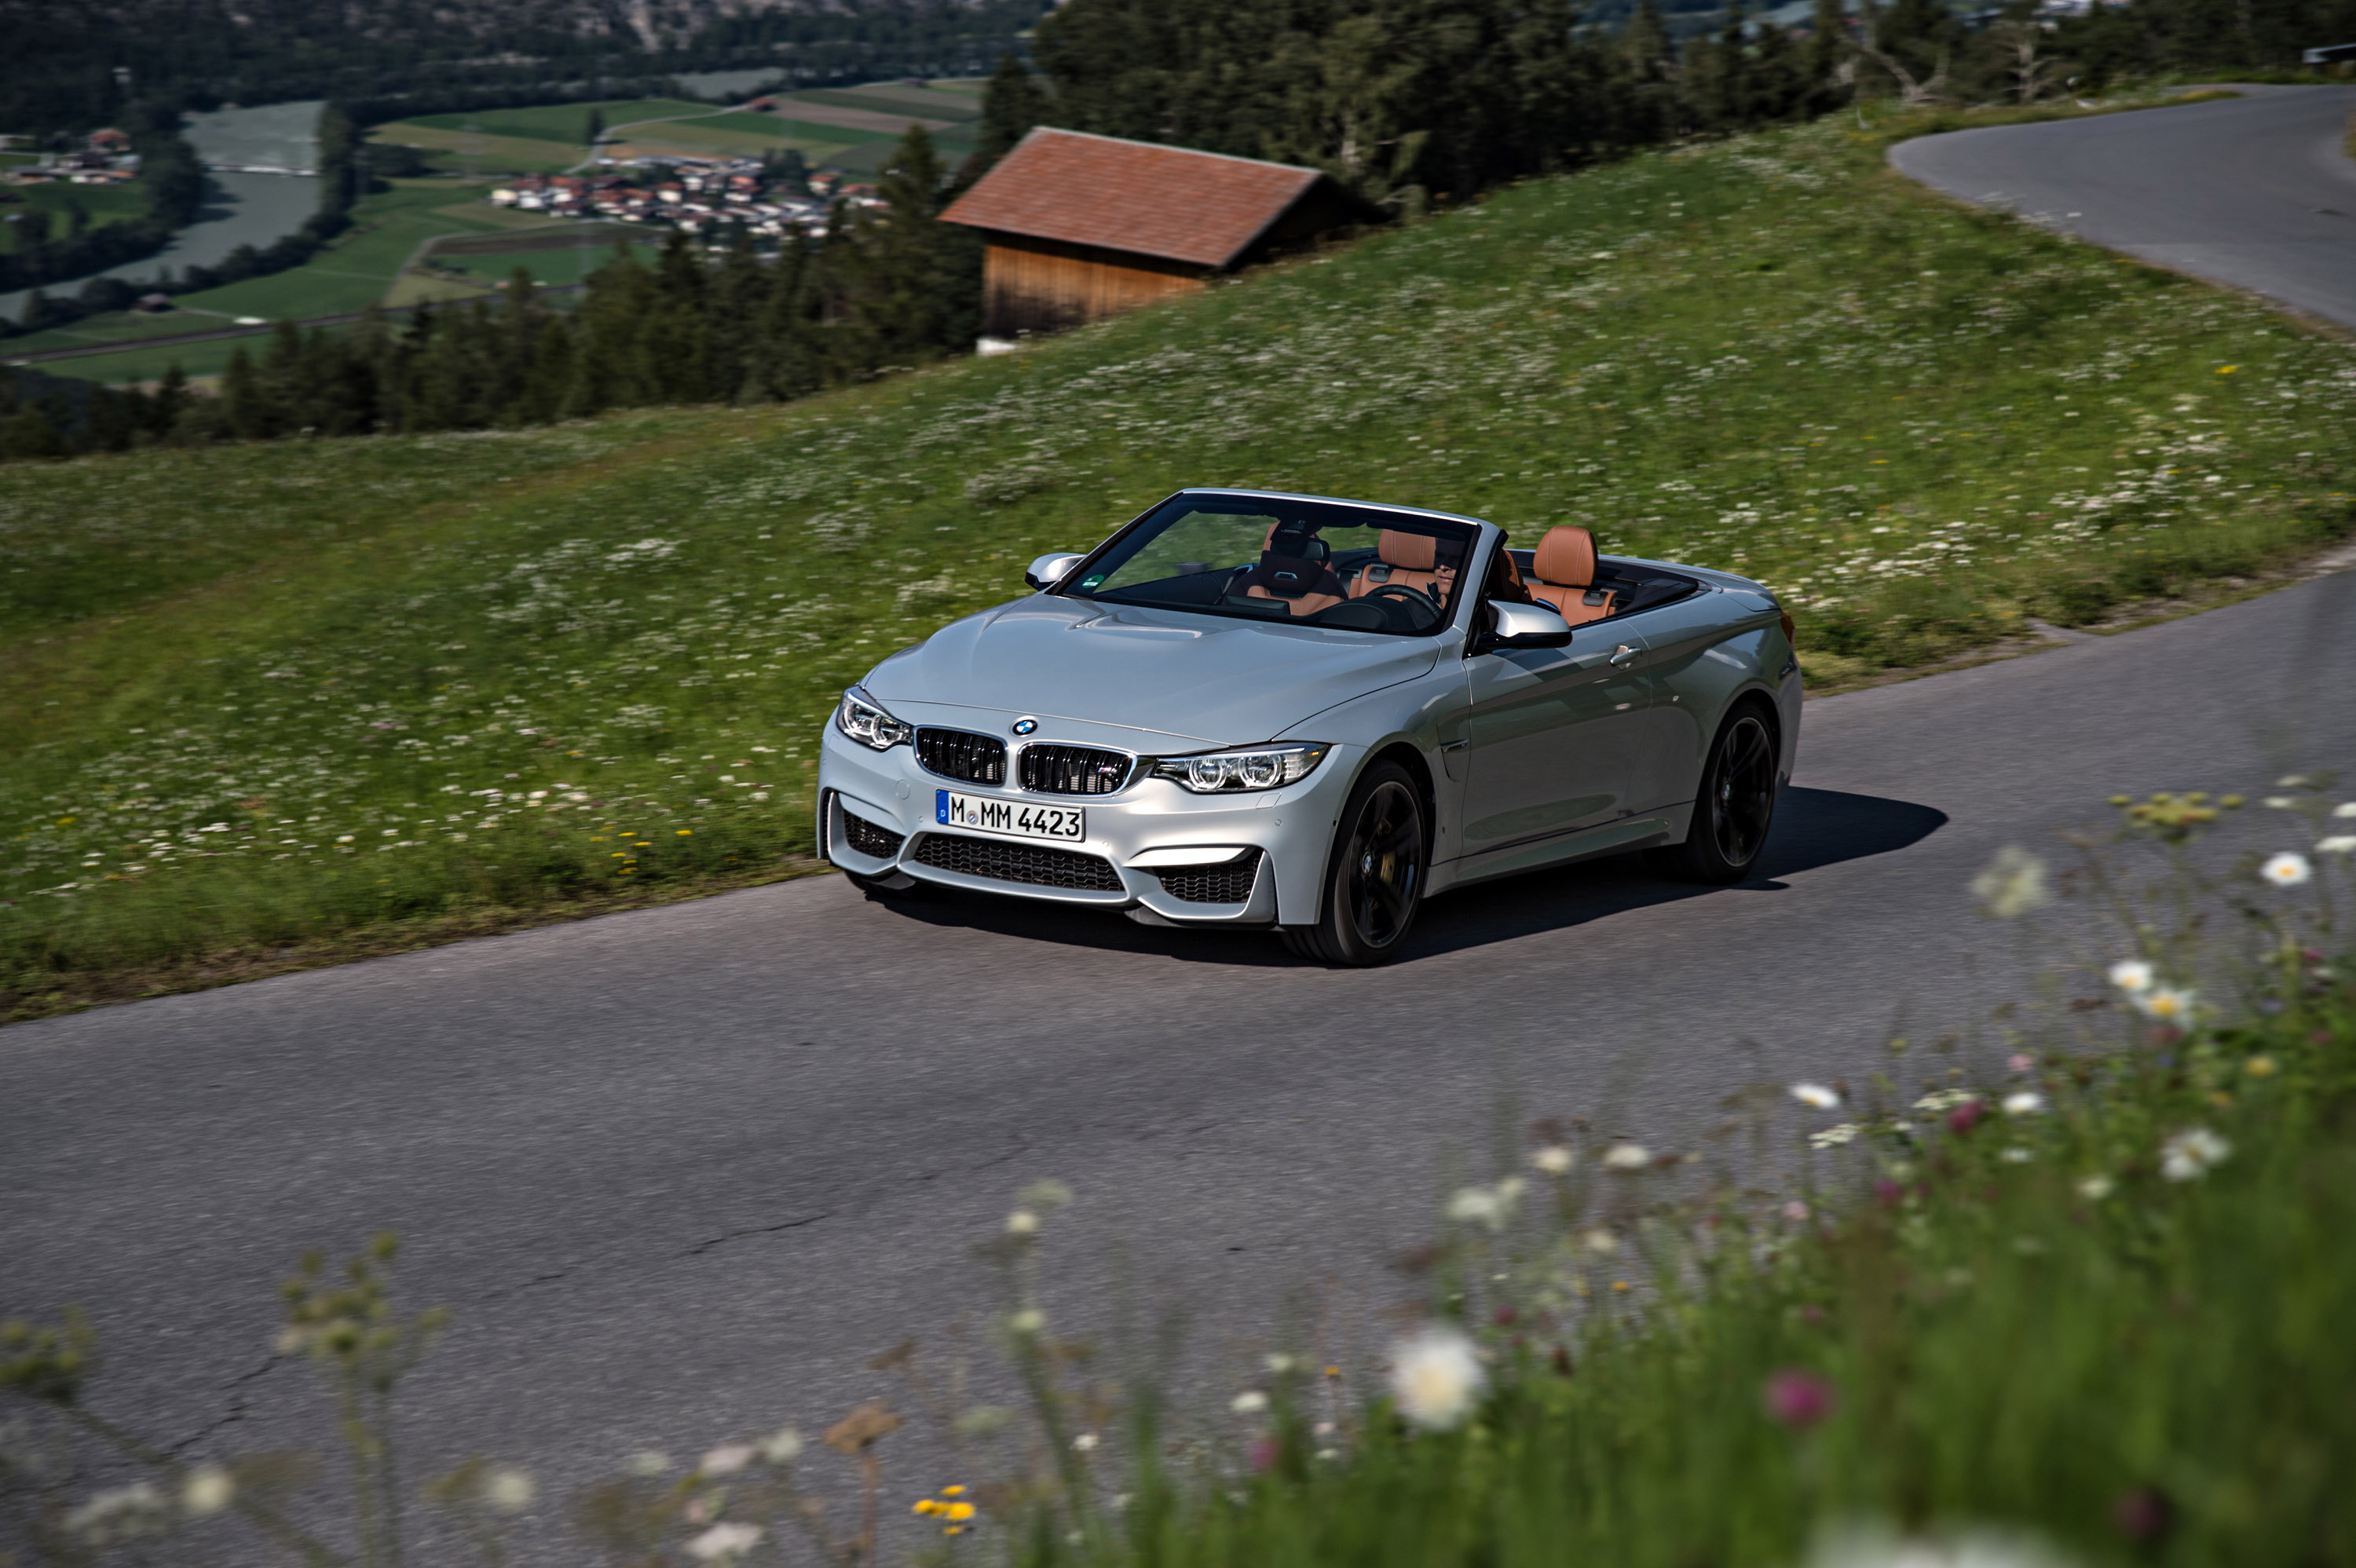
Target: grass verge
{"points": [[271, 695]]}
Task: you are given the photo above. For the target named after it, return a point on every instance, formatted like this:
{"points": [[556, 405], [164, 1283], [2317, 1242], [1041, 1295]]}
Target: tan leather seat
{"points": [[1562, 573], [1302, 583], [1407, 560]]}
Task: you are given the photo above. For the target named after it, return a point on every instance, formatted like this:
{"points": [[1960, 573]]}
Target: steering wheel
{"points": [[1421, 611]]}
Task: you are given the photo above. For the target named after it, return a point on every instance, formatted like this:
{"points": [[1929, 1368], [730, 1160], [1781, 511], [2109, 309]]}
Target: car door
{"points": [[1551, 736]]}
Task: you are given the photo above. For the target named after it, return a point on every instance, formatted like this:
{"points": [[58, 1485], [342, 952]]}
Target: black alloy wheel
{"points": [[1735, 807], [1374, 883]]}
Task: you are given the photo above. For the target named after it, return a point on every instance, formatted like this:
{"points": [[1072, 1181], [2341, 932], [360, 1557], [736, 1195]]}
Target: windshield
{"points": [[1315, 563]]}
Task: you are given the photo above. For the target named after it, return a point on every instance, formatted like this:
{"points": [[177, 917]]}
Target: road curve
{"points": [[680, 1171], [2257, 192]]}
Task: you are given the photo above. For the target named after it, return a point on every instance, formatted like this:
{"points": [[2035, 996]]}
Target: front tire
{"points": [[1735, 807], [1373, 879]]}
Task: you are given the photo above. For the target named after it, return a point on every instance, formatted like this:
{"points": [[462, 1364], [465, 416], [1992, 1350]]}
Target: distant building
{"points": [[1081, 227]]}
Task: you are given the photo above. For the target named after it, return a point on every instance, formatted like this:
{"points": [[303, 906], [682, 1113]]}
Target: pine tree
{"points": [[1012, 104]]}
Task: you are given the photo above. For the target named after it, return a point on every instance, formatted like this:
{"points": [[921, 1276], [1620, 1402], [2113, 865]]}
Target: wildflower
{"points": [[2261, 1066], [2025, 1103], [648, 1464], [2281, 802], [1627, 1157], [2132, 975], [2286, 869], [724, 1541], [2190, 1154], [2345, 808], [2013, 884], [1489, 1206], [1021, 1222], [2167, 1005], [1599, 1241], [1085, 1443], [727, 1459], [1251, 1401], [2096, 1187], [2337, 843], [1554, 1159], [1833, 1137], [1873, 1546], [121, 1514], [1027, 1321], [1816, 1096], [1045, 1195], [1437, 1378], [507, 1489], [1280, 1363], [2015, 1154], [206, 1490], [1966, 1116], [782, 1446], [1797, 1399], [343, 838], [1795, 1212]]}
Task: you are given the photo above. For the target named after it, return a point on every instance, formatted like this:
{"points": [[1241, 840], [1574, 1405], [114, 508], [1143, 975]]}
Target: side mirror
{"points": [[1049, 569], [1513, 625]]}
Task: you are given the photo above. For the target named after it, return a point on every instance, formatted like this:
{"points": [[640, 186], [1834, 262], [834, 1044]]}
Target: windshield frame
{"points": [[1485, 536]]}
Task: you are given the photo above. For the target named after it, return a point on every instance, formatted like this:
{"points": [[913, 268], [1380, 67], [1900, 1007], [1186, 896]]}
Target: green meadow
{"points": [[273, 700]]}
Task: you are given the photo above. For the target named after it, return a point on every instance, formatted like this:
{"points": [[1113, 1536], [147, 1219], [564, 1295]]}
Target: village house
{"points": [[1079, 227]]}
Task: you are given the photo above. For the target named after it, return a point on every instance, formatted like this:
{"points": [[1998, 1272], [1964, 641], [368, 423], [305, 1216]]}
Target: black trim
{"points": [[1036, 865], [962, 755], [1225, 884]]}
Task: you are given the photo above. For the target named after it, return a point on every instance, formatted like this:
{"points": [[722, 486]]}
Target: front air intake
{"points": [[867, 837], [1009, 862], [961, 754], [1074, 770], [1227, 884]]}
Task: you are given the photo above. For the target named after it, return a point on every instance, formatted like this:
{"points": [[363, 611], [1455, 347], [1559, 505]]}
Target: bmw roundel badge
{"points": [[1025, 726]]}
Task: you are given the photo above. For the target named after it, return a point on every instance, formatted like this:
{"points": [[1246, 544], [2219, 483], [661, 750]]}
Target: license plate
{"points": [[951, 809]]}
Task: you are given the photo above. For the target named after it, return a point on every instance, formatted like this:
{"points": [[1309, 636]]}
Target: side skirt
{"points": [[1667, 825]]}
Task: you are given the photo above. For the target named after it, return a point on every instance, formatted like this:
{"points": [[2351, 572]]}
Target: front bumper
{"points": [[1288, 830]]}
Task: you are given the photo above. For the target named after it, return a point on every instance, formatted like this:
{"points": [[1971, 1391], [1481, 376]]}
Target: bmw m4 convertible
{"points": [[1307, 715]]}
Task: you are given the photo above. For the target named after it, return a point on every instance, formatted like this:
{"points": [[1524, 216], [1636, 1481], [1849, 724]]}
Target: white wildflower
{"points": [[1489, 1206], [1437, 1378], [206, 1490], [782, 1446], [1939, 1100], [2132, 975], [2190, 1154], [1280, 1363], [1026, 1321], [509, 1489], [726, 1459], [2023, 1102], [2013, 884], [1023, 1222], [1627, 1157], [1085, 1443], [2166, 1004], [2345, 808], [1554, 1159], [2016, 1155], [1599, 1241], [2096, 1187], [2286, 869], [1251, 1401], [2282, 802], [1834, 1137], [1816, 1096], [646, 1463], [1875, 1546], [722, 1543], [2337, 843]]}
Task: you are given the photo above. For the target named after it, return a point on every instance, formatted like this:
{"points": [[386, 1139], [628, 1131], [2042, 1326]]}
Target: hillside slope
{"points": [[270, 697]]}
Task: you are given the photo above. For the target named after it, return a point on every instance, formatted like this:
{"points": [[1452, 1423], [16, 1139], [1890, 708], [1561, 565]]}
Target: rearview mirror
{"points": [[1522, 626], [1049, 569]]}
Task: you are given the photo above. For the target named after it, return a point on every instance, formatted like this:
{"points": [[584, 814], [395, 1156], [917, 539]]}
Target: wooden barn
{"points": [[1081, 227]]}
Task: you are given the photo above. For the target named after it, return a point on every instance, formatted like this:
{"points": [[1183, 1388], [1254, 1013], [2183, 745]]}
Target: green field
{"points": [[1921, 424], [55, 204], [888, 98], [548, 268], [564, 122], [356, 272]]}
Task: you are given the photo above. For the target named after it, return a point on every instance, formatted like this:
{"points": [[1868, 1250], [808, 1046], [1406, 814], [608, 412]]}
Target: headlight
{"points": [[1255, 767], [860, 719]]}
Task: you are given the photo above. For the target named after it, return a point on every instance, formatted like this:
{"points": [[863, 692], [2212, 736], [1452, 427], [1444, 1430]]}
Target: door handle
{"points": [[1623, 656]]}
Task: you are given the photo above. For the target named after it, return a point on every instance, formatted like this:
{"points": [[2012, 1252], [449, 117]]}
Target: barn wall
{"points": [[1039, 285]]}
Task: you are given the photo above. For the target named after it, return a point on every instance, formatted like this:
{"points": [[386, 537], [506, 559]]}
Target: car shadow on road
{"points": [[1813, 828]]}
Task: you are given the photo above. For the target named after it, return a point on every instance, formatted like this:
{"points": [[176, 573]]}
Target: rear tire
{"points": [[1373, 877], [1735, 807]]}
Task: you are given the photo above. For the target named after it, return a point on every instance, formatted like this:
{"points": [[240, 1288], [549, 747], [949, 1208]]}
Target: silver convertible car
{"points": [[1309, 715]]}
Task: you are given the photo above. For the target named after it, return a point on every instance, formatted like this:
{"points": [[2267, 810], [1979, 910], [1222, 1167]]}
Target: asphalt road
{"points": [[681, 1171], [2257, 192]]}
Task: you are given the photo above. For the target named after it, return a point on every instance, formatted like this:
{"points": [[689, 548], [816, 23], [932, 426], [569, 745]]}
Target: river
{"points": [[240, 207]]}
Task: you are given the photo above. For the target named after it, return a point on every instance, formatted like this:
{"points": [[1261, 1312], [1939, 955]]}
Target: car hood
{"points": [[1203, 679]]}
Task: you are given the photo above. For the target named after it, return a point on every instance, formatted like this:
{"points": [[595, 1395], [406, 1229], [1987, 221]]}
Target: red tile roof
{"points": [[1170, 202]]}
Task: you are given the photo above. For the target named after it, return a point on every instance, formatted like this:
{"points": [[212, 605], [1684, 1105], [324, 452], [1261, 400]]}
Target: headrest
{"points": [[1566, 556], [1414, 552], [1291, 576]]}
